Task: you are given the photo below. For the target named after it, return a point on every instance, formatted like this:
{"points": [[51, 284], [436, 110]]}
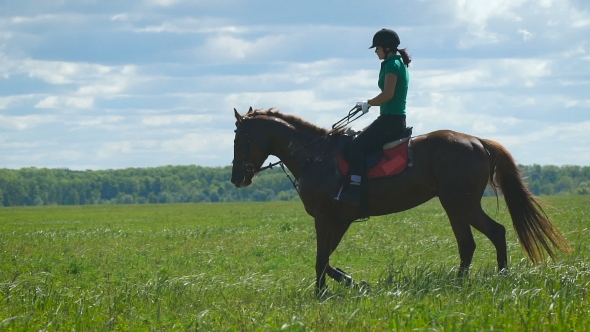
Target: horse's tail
{"points": [[533, 227]]}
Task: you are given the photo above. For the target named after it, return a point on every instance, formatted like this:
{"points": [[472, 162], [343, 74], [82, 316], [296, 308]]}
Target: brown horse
{"points": [[453, 166]]}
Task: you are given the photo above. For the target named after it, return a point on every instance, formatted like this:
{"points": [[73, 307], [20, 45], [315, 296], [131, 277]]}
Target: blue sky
{"points": [[115, 84]]}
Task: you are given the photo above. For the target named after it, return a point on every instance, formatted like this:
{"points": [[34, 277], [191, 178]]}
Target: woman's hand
{"points": [[363, 106]]}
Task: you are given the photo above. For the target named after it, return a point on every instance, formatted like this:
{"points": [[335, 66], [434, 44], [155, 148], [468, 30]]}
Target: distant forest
{"points": [[182, 184]]}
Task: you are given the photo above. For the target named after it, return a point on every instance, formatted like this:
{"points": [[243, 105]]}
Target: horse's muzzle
{"points": [[241, 181]]}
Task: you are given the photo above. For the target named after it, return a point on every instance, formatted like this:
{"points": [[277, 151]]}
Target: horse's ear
{"points": [[250, 110], [238, 117]]}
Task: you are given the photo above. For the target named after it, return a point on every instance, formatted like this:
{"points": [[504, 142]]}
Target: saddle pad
{"points": [[393, 161]]}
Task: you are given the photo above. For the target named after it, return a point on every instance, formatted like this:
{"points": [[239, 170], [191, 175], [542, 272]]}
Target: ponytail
{"points": [[405, 56]]}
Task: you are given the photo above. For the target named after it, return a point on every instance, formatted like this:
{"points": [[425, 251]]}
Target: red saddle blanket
{"points": [[393, 161]]}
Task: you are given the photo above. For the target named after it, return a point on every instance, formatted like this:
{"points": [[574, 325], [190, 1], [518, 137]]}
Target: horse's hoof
{"points": [[504, 272], [463, 273], [344, 278], [363, 287], [348, 281], [321, 293]]}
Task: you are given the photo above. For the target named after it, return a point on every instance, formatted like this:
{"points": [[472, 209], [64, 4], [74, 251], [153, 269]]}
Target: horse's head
{"points": [[250, 150]]}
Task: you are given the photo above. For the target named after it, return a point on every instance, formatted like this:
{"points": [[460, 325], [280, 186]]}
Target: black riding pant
{"points": [[384, 128]]}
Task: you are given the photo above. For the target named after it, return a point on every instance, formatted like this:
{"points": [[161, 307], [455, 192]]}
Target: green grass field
{"points": [[250, 267]]}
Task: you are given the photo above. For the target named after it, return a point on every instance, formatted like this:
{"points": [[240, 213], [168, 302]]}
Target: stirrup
{"points": [[351, 196]]}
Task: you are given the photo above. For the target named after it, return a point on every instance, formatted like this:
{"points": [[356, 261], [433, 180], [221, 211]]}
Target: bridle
{"points": [[244, 129]]}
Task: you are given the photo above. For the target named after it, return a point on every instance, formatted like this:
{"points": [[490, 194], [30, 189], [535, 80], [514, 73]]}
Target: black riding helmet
{"points": [[385, 38]]}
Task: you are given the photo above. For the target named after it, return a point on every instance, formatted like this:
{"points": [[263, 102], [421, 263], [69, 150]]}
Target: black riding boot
{"points": [[352, 196]]}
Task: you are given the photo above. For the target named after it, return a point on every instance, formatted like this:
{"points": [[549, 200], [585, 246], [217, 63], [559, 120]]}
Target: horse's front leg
{"points": [[329, 233], [322, 259]]}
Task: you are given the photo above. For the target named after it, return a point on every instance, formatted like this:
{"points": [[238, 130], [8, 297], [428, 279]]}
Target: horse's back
{"points": [[446, 138]]}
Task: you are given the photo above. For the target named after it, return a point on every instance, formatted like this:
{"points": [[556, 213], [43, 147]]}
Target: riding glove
{"points": [[363, 106]]}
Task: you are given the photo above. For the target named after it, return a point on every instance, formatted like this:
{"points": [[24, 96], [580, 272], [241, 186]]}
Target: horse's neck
{"points": [[293, 146]]}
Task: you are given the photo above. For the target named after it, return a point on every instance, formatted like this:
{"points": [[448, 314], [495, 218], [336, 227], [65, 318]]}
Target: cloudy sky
{"points": [[92, 84]]}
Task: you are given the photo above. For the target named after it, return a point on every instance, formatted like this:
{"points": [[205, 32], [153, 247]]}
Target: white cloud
{"points": [[60, 102], [488, 22], [477, 13], [47, 18], [59, 72], [305, 102], [580, 23], [205, 141], [114, 149], [114, 87], [98, 121], [27, 145], [163, 3], [48, 102], [231, 48], [119, 79], [5, 35], [80, 102], [59, 157], [526, 35], [15, 100], [482, 74], [576, 131], [192, 25], [438, 80], [25, 122], [576, 50], [553, 132], [70, 154], [91, 79], [484, 127], [172, 3], [578, 19], [181, 119], [120, 17], [476, 16]]}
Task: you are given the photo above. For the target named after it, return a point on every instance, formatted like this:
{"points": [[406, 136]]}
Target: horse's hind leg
{"points": [[465, 242], [462, 217], [495, 232]]}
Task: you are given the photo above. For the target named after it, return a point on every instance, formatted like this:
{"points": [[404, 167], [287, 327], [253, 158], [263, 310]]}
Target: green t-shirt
{"points": [[397, 104]]}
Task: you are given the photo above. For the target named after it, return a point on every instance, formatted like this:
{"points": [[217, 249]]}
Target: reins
{"points": [[354, 114]]}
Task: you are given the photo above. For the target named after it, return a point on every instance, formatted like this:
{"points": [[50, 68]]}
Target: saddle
{"points": [[392, 159]]}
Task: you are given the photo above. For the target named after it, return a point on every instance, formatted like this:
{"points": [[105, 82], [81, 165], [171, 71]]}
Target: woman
{"points": [[393, 82]]}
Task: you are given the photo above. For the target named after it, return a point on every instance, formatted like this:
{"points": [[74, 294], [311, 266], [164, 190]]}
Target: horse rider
{"points": [[393, 83]]}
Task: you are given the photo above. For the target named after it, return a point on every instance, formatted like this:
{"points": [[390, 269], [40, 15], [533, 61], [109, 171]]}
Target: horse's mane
{"points": [[297, 122]]}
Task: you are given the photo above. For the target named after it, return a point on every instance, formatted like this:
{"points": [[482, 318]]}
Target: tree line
{"points": [[183, 184]]}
